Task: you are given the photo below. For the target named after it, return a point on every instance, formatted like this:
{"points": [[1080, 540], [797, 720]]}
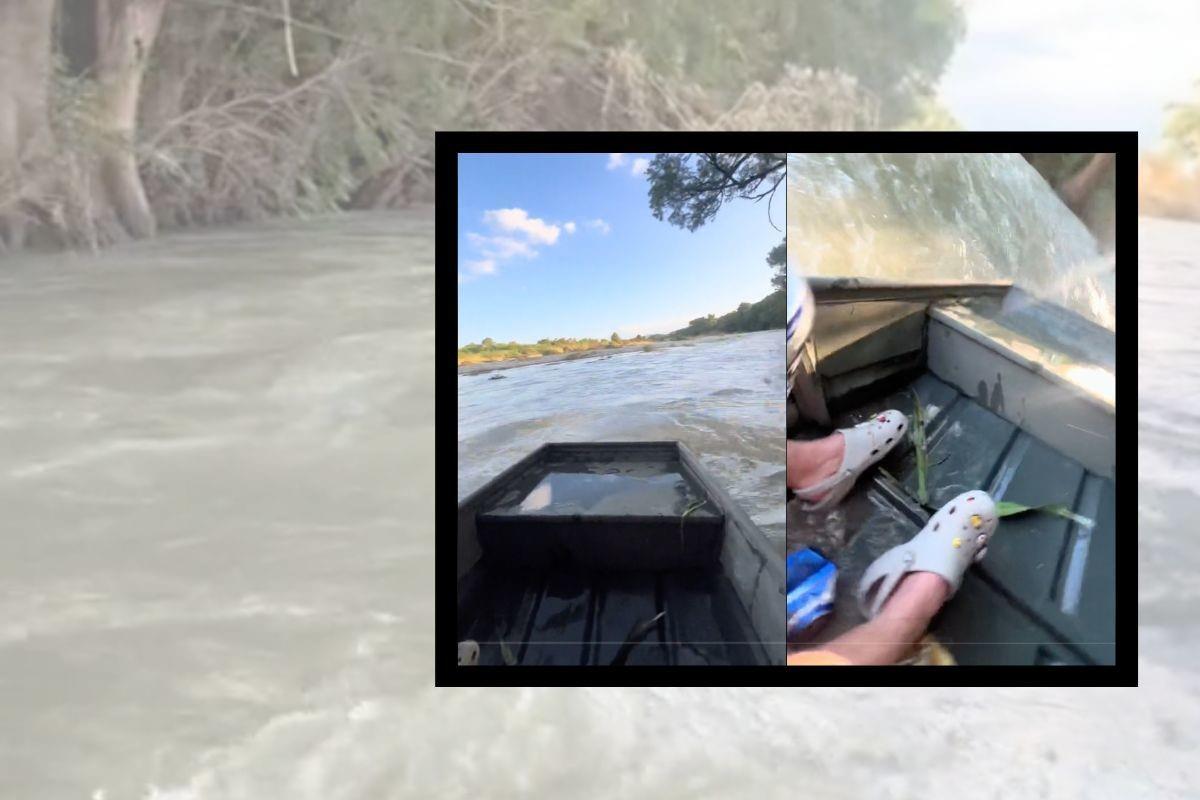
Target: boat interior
{"points": [[662, 568], [1018, 398]]}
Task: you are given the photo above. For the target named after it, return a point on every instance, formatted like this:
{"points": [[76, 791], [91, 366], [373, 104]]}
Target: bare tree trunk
{"points": [[125, 32], [1078, 189], [185, 42], [25, 54]]}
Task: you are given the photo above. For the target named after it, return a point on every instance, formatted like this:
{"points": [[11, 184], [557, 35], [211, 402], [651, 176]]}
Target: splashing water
{"points": [[929, 217]]}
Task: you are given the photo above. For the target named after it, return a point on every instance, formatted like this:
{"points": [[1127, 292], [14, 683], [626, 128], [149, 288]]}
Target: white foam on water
{"points": [[139, 670]]}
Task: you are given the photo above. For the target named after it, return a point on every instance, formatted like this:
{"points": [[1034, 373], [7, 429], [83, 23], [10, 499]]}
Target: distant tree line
{"points": [[766, 314], [489, 350], [1169, 178]]}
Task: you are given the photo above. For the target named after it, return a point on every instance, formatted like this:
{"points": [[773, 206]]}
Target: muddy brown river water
{"points": [[217, 539]]}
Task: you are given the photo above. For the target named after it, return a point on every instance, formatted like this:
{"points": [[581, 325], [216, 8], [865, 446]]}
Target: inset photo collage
{"points": [[720, 413]]}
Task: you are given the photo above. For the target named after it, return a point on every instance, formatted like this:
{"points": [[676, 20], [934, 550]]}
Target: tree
{"points": [[1182, 129], [25, 68], [896, 50], [106, 45], [689, 188], [777, 260], [615, 339], [208, 111], [125, 33], [928, 114], [488, 342]]}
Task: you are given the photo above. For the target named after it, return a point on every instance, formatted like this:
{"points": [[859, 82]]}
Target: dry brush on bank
{"points": [[125, 116], [1168, 187]]}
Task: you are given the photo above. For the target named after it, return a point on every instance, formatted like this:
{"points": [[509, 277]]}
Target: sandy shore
{"points": [[579, 355], [584, 355]]}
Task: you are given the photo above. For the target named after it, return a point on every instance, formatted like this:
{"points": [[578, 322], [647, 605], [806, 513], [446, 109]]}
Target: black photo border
{"points": [[449, 145]]}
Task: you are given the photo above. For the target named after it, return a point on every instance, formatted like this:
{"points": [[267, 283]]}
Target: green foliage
{"points": [[917, 434], [1182, 128], [928, 114], [895, 49], [688, 189], [777, 260], [766, 314], [1005, 508], [228, 132]]}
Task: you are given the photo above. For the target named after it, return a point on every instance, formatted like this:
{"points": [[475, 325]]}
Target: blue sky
{"points": [[1074, 65], [565, 246]]}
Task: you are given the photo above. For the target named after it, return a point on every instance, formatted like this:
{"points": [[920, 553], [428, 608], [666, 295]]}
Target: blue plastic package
{"points": [[810, 584]]}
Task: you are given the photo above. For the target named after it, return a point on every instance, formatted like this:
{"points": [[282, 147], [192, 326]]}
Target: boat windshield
{"points": [[925, 218]]}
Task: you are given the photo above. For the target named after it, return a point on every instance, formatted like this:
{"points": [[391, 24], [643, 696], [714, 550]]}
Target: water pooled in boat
{"points": [[612, 488]]}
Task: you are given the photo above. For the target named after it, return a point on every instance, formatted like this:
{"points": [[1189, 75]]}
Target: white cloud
{"points": [[501, 247], [615, 160], [599, 225], [518, 219], [494, 250], [639, 166], [482, 266]]}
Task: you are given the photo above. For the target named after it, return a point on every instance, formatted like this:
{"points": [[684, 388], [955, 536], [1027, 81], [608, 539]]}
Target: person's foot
{"points": [[809, 463], [919, 595], [954, 538], [822, 472]]}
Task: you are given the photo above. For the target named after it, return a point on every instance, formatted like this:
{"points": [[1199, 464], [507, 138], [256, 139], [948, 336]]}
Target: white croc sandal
{"points": [[866, 444], [953, 539]]}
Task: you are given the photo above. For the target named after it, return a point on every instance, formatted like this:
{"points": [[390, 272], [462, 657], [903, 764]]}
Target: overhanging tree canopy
{"points": [[689, 188]]}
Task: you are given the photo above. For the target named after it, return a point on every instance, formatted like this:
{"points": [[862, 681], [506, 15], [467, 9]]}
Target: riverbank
{"points": [[495, 366], [1168, 188], [590, 355]]}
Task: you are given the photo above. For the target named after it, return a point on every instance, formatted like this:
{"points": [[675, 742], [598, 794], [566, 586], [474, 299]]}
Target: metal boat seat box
{"points": [[563, 554], [600, 506]]}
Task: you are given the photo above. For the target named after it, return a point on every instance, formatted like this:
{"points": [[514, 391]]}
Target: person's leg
{"points": [[904, 618], [901, 623], [810, 462]]}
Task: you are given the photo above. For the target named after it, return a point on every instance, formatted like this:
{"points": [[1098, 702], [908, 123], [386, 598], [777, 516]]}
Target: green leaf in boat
{"points": [[695, 506], [507, 653], [1005, 508], [636, 635], [917, 434]]}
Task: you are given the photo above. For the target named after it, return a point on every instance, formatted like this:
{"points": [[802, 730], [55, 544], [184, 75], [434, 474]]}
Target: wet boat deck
{"points": [[575, 617], [1044, 592]]}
